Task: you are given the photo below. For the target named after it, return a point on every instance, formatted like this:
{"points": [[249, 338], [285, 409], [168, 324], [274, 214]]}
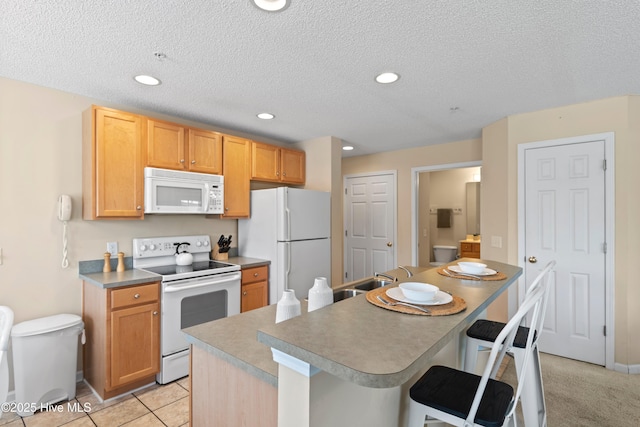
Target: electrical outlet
{"points": [[457, 211], [112, 248]]}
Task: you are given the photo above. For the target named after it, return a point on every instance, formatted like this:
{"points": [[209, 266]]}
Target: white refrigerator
{"points": [[290, 227]]}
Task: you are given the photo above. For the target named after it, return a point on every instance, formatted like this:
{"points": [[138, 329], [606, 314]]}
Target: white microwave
{"points": [[177, 192]]}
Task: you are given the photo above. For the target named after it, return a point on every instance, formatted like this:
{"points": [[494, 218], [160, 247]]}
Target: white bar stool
{"points": [[483, 333]]}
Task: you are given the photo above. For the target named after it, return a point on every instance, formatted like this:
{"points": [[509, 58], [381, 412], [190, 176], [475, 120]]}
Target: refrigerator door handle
{"points": [[288, 266]]}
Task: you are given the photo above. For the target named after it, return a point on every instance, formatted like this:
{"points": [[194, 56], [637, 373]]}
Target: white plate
{"points": [[440, 298], [486, 272]]}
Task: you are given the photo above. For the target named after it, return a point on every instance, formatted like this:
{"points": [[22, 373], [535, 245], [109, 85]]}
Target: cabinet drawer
{"points": [[134, 295], [466, 247], [255, 274]]}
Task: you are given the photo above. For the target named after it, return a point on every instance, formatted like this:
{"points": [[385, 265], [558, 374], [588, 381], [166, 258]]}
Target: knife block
{"points": [[217, 255]]}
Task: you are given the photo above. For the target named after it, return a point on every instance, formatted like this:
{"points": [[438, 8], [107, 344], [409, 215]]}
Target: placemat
{"points": [[497, 276], [455, 306]]}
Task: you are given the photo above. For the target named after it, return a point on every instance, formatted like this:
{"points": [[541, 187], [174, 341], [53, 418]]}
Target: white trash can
{"points": [[45, 353]]}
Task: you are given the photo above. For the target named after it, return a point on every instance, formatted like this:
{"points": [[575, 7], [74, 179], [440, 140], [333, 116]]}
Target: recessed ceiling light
{"points": [[347, 147], [147, 80], [265, 116], [271, 5], [387, 77]]}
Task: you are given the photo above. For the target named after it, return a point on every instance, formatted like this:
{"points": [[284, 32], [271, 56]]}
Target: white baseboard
{"points": [[627, 369]]}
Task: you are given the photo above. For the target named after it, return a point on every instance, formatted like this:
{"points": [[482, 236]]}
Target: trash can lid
{"points": [[45, 324]]}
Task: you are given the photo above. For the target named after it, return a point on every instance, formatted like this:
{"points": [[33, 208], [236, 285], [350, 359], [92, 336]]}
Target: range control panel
{"points": [[152, 247]]}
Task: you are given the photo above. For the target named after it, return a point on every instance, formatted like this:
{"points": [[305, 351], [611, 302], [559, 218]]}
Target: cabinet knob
{"points": [[284, 174], [244, 293], [181, 160], [138, 207], [136, 296], [155, 313], [193, 162], [255, 274], [277, 173], [226, 209]]}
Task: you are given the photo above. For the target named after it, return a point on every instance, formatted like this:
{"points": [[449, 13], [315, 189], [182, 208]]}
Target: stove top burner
{"points": [[168, 270]]}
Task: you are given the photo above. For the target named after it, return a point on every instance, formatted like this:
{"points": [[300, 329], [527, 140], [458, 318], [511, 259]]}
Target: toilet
{"points": [[444, 254], [45, 357]]}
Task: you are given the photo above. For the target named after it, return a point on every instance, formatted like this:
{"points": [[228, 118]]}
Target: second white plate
{"points": [[440, 298], [486, 272]]}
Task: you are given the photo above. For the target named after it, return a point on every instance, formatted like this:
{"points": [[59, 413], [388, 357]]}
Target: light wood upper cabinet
{"points": [[205, 151], [236, 169], [276, 164], [165, 145], [292, 165], [113, 164], [172, 146]]}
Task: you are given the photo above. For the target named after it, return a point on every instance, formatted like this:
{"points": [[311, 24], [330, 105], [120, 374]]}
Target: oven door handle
{"points": [[172, 288]]}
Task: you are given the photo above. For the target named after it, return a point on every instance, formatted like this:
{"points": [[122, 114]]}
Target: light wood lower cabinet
{"points": [[122, 352], [255, 288], [470, 249]]}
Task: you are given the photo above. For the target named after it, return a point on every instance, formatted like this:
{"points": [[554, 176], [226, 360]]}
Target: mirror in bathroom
{"points": [[473, 208]]}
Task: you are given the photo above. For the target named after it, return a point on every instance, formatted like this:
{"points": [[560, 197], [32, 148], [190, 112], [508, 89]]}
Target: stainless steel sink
{"points": [[341, 294], [372, 284]]}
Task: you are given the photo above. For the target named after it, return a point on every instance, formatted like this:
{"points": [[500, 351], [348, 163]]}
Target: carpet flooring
{"points": [[582, 394]]}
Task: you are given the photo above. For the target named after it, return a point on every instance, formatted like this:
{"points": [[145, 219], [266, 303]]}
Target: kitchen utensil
{"points": [[184, 257], [391, 304], [454, 274]]}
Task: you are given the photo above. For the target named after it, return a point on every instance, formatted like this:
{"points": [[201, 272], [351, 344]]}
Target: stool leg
{"points": [[471, 355], [532, 397]]}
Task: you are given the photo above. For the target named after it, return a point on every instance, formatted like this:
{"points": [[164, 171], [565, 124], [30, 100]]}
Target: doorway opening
{"points": [[431, 192]]}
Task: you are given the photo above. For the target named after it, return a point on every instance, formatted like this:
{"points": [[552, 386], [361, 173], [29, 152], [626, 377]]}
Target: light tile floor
{"points": [[158, 405]]}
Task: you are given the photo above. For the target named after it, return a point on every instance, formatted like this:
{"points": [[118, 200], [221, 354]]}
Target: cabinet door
{"points": [[236, 168], [253, 296], [292, 166], [265, 162], [135, 343], [165, 145], [205, 151], [116, 167]]}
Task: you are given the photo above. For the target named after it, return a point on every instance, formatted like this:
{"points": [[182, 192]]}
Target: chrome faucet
{"points": [[409, 274], [393, 279]]}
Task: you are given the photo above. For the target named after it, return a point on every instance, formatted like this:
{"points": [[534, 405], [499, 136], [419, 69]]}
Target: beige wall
{"points": [[402, 161], [40, 158], [500, 144]]}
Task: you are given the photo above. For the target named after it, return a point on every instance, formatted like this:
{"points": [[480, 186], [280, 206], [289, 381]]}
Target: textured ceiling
{"points": [[313, 65]]}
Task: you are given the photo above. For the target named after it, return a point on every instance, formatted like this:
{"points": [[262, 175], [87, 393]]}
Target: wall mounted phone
{"points": [[64, 215], [64, 208]]}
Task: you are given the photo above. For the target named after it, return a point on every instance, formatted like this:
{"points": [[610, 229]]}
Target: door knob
{"points": [[532, 260], [389, 244]]}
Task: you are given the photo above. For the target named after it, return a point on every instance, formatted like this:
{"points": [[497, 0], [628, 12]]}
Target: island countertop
{"points": [[378, 348]]}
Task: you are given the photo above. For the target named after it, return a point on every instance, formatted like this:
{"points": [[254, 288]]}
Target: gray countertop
{"points": [[133, 276], [352, 339], [233, 339], [378, 348]]}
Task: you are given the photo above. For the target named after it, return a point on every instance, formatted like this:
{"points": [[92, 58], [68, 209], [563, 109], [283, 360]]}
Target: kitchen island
{"points": [[351, 363]]}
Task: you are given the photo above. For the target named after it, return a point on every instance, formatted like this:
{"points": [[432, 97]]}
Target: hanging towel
{"points": [[444, 218]]}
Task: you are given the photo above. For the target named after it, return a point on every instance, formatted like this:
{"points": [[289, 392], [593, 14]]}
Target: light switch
{"points": [[496, 241]]}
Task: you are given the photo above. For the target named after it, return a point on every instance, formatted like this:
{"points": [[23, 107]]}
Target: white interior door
{"points": [[370, 225], [565, 220]]}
